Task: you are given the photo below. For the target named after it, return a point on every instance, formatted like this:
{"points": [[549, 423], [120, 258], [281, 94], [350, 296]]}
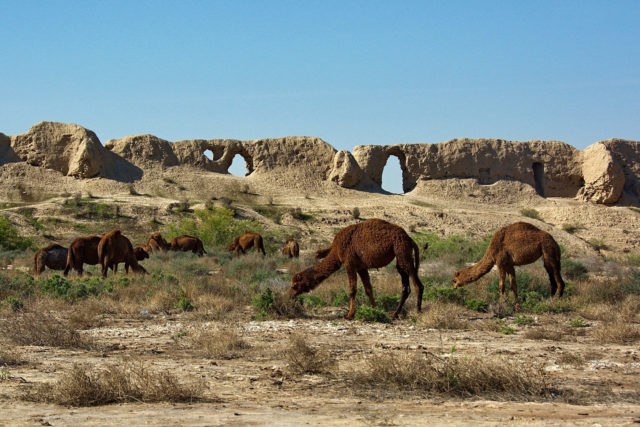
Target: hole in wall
{"points": [[392, 175], [239, 166], [208, 154]]}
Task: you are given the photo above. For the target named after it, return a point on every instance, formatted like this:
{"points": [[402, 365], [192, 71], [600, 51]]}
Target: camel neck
{"points": [[481, 268], [329, 264]]}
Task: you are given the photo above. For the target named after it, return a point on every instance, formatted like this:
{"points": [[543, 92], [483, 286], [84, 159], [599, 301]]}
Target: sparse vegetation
{"points": [[530, 213], [10, 238], [572, 227], [305, 359]]}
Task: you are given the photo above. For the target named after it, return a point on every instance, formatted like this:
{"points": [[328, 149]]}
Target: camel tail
{"points": [[416, 254], [70, 261]]}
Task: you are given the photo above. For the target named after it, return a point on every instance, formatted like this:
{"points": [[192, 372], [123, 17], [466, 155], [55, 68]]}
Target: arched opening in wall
{"points": [[538, 177], [239, 166], [392, 175], [208, 154]]}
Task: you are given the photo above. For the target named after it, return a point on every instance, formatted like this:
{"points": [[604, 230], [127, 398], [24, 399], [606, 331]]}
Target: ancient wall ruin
{"points": [[606, 172]]}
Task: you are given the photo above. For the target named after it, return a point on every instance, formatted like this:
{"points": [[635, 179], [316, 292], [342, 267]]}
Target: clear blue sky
{"points": [[350, 72]]}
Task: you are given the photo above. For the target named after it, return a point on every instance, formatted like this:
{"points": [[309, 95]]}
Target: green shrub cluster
{"points": [[456, 250], [10, 238], [365, 313]]}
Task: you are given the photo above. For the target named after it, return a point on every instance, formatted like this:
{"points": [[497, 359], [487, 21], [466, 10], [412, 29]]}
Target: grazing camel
{"points": [[83, 250], [115, 248], [516, 244], [245, 242], [141, 252], [188, 243], [157, 243], [291, 248], [53, 256], [369, 244], [322, 253]]}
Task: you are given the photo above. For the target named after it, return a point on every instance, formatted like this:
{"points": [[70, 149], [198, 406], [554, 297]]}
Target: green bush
{"points": [[457, 250], [14, 303], [342, 298], [312, 301], [522, 320], [445, 295], [215, 226], [369, 314], [573, 270], [476, 304], [530, 213], [184, 303], [264, 301], [388, 302], [10, 238]]}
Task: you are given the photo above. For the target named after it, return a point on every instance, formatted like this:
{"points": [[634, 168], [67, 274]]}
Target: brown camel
{"points": [[141, 252], [53, 256], [291, 248], [188, 243], [516, 244], [157, 243], [245, 242], [115, 248], [83, 250], [369, 244]]}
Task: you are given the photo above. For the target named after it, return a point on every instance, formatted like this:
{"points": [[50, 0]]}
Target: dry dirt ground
{"points": [[256, 387], [600, 382]]}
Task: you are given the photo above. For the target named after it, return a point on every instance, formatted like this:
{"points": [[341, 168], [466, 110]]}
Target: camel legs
{"points": [[406, 290], [417, 283], [514, 286], [366, 282], [353, 289], [553, 270]]}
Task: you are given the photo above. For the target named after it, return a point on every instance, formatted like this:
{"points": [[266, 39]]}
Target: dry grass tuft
{"points": [[618, 331], [43, 329], [543, 333], [10, 355], [455, 375], [129, 381], [86, 315], [304, 359], [223, 343], [443, 316]]}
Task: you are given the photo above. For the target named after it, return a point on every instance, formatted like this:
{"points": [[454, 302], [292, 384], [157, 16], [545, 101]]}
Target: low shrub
{"points": [[573, 270], [369, 314], [11, 239], [530, 213], [304, 359]]}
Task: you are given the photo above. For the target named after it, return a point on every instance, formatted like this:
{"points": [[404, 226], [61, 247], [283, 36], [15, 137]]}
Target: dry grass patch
{"points": [[575, 359], [543, 333], [213, 307], [617, 331], [43, 329], [443, 316], [86, 314], [129, 381], [304, 359], [455, 375], [219, 344], [10, 355]]}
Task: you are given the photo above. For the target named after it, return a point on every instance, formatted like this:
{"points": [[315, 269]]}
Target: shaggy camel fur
{"points": [[141, 252], [245, 242], [291, 248], [322, 253], [53, 256], [369, 244], [516, 244], [157, 243], [188, 243], [83, 250], [115, 248]]}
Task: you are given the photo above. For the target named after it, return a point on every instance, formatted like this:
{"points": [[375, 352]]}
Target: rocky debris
{"points": [[144, 151], [67, 148], [603, 177], [345, 171]]}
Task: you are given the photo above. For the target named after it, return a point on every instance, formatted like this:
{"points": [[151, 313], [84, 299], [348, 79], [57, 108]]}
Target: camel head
{"points": [[159, 240], [459, 279], [303, 282], [231, 247], [140, 253]]}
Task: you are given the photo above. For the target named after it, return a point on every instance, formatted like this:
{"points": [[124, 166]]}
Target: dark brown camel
{"points": [[141, 252], [245, 242], [322, 253], [53, 256], [370, 244], [157, 243], [188, 243], [83, 250], [115, 248], [516, 244], [291, 248]]}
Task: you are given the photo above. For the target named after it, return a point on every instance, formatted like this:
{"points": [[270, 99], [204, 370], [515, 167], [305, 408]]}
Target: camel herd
{"points": [[373, 243]]}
